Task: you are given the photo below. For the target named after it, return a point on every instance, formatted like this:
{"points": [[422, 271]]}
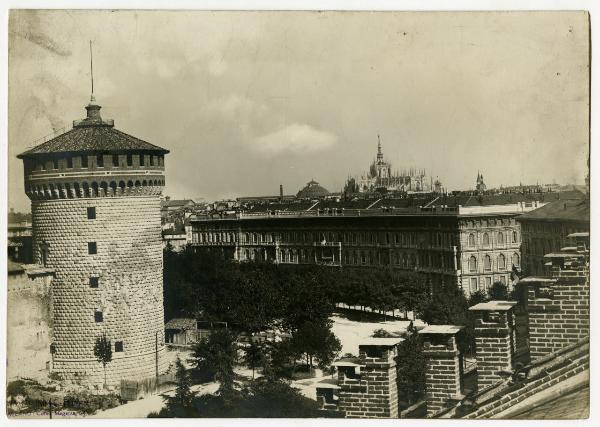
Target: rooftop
{"points": [[493, 306], [441, 329], [92, 135], [181, 323], [563, 210], [384, 342]]}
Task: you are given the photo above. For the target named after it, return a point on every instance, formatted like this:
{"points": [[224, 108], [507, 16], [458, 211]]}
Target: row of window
{"points": [[487, 262], [475, 284], [486, 239], [99, 161], [489, 222], [404, 239]]}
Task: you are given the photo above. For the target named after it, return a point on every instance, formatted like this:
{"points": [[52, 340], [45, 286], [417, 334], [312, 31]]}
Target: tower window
{"points": [[142, 160], [54, 163], [69, 162], [92, 248], [100, 160], [115, 160], [129, 160], [98, 317], [118, 346], [91, 213], [84, 161], [94, 282], [151, 160]]}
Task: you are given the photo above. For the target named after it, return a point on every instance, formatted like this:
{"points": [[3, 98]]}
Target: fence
{"points": [[137, 389]]}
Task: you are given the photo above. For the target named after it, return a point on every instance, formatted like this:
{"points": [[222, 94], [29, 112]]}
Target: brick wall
{"points": [[128, 264], [374, 394], [443, 382], [558, 313], [495, 341]]}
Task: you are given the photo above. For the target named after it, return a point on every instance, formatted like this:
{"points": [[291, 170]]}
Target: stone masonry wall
{"points": [[128, 264], [558, 314], [29, 324]]}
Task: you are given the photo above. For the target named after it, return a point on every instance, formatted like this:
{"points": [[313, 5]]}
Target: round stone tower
{"points": [[95, 200]]}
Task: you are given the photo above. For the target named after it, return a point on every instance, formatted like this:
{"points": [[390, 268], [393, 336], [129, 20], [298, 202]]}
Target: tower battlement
{"points": [[93, 160]]}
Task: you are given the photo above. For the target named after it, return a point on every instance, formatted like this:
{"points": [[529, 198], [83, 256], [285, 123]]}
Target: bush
{"points": [[382, 333]]}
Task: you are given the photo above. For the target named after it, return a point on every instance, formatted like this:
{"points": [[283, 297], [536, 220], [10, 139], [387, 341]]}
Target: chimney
{"points": [[495, 340], [281, 192], [444, 367], [373, 392]]}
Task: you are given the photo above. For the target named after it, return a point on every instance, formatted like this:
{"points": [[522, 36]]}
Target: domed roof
{"points": [[312, 190], [92, 134]]}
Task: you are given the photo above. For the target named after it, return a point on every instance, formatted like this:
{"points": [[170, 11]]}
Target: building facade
{"points": [[95, 200], [545, 231], [466, 247]]}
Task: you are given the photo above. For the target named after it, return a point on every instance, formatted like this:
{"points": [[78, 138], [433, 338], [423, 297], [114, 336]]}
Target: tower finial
{"points": [[92, 71]]}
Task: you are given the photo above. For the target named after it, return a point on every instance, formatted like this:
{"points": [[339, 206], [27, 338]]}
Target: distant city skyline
{"points": [[255, 100]]}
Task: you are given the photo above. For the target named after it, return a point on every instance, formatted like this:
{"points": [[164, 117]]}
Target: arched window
{"points": [[516, 260], [487, 263], [486, 239], [515, 237], [501, 238], [501, 262], [472, 264], [472, 240]]}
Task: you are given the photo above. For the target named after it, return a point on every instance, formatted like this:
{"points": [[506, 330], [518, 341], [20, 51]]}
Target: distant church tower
{"points": [[95, 203], [480, 187]]}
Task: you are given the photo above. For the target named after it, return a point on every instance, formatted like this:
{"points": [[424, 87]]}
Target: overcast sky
{"points": [[248, 100]]}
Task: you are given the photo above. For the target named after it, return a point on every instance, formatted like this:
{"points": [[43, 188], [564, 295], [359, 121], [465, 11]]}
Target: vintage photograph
{"points": [[298, 214]]}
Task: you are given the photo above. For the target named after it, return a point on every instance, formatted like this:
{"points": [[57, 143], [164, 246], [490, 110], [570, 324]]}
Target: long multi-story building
{"points": [[545, 231], [467, 241]]}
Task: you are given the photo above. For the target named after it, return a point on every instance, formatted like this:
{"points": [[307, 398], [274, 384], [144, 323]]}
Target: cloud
{"points": [[296, 138]]}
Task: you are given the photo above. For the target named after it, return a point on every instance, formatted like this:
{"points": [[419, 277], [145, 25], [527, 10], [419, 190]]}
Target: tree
{"points": [[448, 306], [411, 365], [254, 356], [315, 339], [282, 354], [499, 292], [103, 352], [181, 404], [477, 297], [217, 354], [276, 399]]}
